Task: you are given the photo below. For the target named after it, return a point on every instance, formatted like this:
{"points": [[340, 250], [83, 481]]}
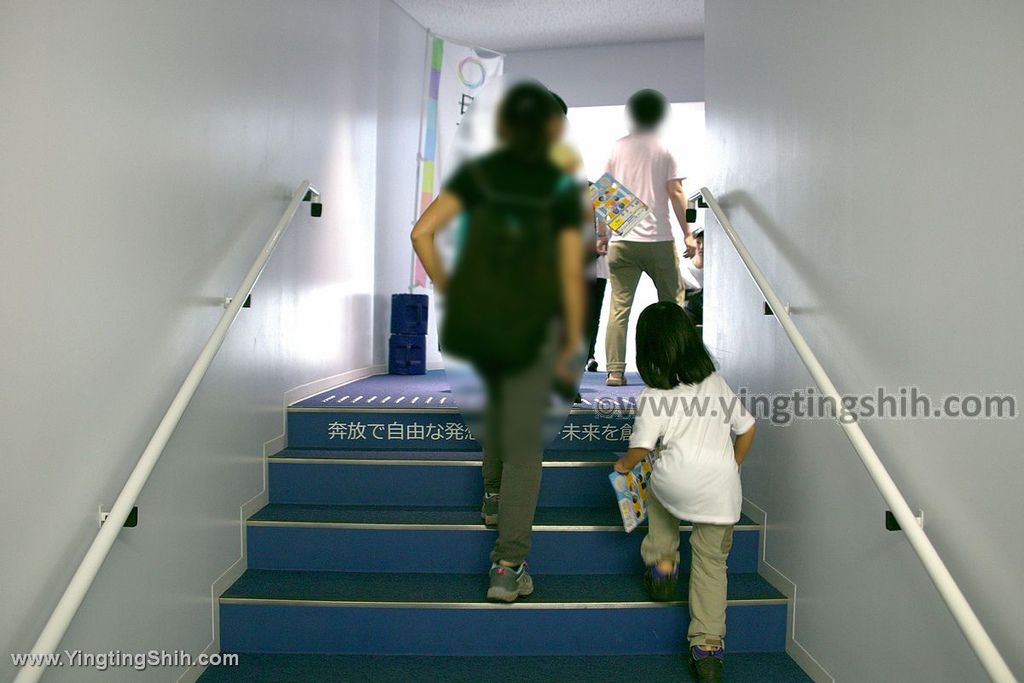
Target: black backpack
{"points": [[505, 288]]}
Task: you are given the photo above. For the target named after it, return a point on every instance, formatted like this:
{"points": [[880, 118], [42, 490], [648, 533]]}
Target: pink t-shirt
{"points": [[642, 163]]}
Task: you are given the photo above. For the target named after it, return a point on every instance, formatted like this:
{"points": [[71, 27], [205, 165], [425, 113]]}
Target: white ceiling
{"points": [[509, 25]]}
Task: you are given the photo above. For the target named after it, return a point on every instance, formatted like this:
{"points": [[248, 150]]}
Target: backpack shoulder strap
{"points": [[481, 180], [563, 182]]}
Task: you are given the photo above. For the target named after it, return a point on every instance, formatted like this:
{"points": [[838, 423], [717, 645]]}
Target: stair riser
{"points": [[463, 551], [424, 485], [487, 631], [408, 430]]}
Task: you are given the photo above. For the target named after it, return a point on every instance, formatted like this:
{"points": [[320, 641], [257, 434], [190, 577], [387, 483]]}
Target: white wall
{"points": [[870, 155], [403, 50], [147, 150], [674, 67], [602, 75]]}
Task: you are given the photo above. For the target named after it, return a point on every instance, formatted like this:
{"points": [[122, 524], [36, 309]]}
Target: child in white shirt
{"points": [[690, 414]]}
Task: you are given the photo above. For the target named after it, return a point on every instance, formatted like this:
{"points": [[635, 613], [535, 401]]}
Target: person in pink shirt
{"points": [[642, 163]]}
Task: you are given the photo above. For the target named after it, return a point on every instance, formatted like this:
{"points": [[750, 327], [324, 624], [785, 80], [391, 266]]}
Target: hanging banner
{"points": [[456, 75]]}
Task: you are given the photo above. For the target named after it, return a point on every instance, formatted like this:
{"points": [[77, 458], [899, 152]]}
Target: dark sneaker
{"points": [[489, 510], [706, 665], [507, 584], [591, 365], [661, 587]]}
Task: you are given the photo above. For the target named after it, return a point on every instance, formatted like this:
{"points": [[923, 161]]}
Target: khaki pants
{"points": [[626, 262], [709, 544]]}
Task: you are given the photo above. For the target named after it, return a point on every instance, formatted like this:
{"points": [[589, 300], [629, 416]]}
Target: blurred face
{"points": [[556, 127], [700, 245]]}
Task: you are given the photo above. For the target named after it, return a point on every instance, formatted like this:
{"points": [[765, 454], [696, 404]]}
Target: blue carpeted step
{"points": [[381, 488], [357, 613], [398, 391], [759, 667], [432, 390], [413, 482], [571, 518], [435, 429], [434, 456], [435, 539], [421, 413], [465, 589]]}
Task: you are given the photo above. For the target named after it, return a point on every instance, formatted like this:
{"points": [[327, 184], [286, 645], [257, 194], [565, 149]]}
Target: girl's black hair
{"points": [[669, 350], [523, 119]]}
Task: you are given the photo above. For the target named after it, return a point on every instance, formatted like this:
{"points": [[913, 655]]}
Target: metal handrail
{"points": [[57, 625], [966, 619]]}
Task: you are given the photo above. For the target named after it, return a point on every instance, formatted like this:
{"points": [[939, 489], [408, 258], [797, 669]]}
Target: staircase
{"points": [[370, 561]]}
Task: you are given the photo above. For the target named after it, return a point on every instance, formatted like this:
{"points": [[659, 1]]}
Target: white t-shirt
{"points": [[642, 163], [693, 277], [695, 477]]}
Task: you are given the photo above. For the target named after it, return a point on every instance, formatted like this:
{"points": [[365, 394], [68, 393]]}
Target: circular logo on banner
{"points": [[472, 73]]}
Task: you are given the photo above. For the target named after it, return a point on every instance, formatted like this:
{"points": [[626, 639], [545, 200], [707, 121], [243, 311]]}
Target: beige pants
{"points": [[627, 261], [710, 544]]}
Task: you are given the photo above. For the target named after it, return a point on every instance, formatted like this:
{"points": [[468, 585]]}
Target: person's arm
{"points": [[677, 197], [600, 229], [649, 427], [742, 444], [570, 266], [603, 234], [630, 459], [437, 216]]}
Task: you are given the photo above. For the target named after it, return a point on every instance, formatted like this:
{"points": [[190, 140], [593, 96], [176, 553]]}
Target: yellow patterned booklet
{"points": [[631, 491], [616, 206]]}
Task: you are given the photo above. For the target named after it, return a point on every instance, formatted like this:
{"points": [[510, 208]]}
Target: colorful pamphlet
{"points": [[616, 206], [631, 491]]}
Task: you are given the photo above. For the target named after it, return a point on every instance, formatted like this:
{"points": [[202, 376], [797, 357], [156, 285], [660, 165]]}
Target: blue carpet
{"points": [[462, 588], [432, 390], [773, 667], [330, 482], [607, 456], [341, 472], [568, 516], [401, 389], [450, 540]]}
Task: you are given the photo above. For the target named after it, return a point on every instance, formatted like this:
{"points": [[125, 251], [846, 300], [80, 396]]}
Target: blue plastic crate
{"points": [[407, 354], [409, 313]]}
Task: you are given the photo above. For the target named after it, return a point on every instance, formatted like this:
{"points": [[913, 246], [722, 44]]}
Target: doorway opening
{"points": [[593, 130]]}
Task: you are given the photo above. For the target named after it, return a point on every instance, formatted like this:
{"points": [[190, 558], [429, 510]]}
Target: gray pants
{"points": [[627, 261], [514, 449]]}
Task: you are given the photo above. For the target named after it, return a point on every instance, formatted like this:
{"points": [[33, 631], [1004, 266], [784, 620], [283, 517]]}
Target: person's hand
{"points": [[565, 367], [691, 246], [601, 247], [620, 466]]}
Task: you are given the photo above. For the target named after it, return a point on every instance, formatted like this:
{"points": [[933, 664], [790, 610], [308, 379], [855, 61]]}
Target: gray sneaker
{"points": [[489, 510], [507, 584]]}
